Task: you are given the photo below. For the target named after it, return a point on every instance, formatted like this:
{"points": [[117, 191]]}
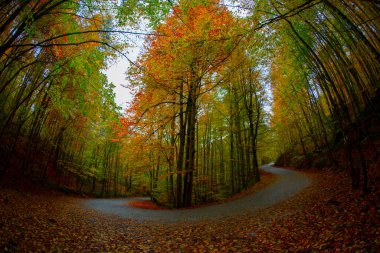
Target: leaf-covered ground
{"points": [[326, 216]]}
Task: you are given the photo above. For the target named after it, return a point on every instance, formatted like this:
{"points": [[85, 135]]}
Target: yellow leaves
{"points": [[96, 21]]}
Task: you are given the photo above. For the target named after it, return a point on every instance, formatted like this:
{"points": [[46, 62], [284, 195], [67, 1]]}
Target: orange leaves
{"points": [[214, 33], [144, 204], [194, 39], [197, 24], [210, 21], [70, 35]]}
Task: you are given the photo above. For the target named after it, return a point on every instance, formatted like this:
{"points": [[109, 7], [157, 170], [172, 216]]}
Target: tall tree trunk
{"points": [[190, 145], [181, 151]]}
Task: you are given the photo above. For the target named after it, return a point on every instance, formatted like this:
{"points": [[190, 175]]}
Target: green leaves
{"points": [[132, 12]]}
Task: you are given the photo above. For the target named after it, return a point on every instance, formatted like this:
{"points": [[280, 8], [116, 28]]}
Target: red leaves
{"points": [[144, 204]]}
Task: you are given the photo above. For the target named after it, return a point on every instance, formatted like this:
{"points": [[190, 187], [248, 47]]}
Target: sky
{"points": [[116, 74]]}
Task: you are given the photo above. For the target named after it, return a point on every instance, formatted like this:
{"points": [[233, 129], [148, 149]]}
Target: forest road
{"points": [[287, 184]]}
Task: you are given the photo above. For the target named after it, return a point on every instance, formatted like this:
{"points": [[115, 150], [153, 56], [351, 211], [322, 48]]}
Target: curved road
{"points": [[287, 184]]}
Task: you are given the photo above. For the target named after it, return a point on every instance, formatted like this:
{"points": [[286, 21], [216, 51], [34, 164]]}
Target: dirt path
{"points": [[287, 184]]}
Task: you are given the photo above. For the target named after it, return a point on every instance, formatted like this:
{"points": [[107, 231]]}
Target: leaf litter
{"points": [[326, 216]]}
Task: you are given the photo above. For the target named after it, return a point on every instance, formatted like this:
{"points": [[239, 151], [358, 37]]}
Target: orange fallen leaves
{"points": [[145, 204]]}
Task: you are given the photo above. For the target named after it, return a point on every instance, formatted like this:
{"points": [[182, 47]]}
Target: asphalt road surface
{"points": [[287, 184]]}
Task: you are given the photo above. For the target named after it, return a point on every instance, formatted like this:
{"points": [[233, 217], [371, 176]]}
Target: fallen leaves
{"points": [[144, 204], [320, 218]]}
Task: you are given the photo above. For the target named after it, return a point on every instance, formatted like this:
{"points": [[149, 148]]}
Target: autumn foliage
{"points": [[218, 90]]}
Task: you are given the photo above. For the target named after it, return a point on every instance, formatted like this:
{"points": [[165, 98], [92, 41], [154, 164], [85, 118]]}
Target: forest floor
{"points": [[325, 216]]}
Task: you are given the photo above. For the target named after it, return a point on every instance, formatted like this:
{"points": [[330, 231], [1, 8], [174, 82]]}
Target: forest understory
{"points": [[326, 216]]}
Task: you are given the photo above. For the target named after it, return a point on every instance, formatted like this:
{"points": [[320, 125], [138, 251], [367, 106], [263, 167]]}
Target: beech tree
{"points": [[189, 67]]}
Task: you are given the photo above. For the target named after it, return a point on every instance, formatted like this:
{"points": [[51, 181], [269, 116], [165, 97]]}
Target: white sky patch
{"points": [[116, 74], [241, 9], [117, 70]]}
